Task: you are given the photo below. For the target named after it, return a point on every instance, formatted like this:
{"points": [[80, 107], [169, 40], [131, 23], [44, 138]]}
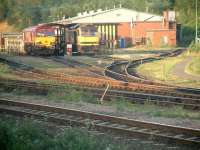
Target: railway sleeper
{"points": [[108, 126]]}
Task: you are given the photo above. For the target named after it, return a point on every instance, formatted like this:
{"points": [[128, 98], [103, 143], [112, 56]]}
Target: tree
{"points": [[3, 9]]}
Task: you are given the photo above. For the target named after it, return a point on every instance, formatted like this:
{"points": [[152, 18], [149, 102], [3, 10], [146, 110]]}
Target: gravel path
{"points": [[179, 70]]}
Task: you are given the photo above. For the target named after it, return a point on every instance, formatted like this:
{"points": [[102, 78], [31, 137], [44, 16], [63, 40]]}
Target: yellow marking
{"points": [[88, 40], [45, 41]]}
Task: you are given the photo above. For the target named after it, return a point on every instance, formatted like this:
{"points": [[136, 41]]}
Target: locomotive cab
{"points": [[81, 39], [44, 39]]}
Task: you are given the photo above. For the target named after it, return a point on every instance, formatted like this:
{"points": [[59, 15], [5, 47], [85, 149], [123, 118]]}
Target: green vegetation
{"points": [[25, 13], [162, 71], [194, 66], [6, 71], [32, 135], [28, 12], [154, 110], [70, 94], [194, 48]]}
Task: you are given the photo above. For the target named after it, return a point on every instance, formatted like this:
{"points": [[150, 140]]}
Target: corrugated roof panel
{"points": [[114, 16]]}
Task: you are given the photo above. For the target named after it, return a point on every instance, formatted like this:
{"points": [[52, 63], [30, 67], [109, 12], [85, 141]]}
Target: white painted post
{"points": [[101, 100]]}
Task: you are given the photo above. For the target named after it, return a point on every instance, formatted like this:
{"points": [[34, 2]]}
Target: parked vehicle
{"points": [[82, 39], [52, 39], [44, 39]]}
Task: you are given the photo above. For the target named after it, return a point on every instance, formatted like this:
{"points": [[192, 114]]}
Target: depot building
{"points": [[121, 27]]}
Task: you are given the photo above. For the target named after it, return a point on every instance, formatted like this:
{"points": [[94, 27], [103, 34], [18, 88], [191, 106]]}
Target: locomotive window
{"points": [[45, 32], [70, 37], [48, 33], [88, 31]]}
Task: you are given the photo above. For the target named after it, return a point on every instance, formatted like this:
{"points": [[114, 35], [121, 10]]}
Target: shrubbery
{"points": [[194, 47], [29, 135]]}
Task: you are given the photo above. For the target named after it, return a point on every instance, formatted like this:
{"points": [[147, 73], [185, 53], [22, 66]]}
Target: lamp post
{"points": [[196, 37]]}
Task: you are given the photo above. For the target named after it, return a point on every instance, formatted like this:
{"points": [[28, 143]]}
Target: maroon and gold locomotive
{"points": [[44, 39]]}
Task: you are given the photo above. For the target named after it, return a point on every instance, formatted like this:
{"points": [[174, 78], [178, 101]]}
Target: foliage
{"points": [[152, 110], [194, 67], [4, 68], [194, 47], [162, 71], [22, 135], [70, 94], [24, 13], [31, 135], [186, 15]]}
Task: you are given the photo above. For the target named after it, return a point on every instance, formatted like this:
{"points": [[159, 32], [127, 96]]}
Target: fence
{"points": [[12, 43]]}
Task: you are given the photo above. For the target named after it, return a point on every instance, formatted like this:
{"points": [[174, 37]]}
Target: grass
{"points": [[154, 110], [159, 70], [66, 94], [194, 48], [31, 135], [70, 94], [194, 67], [6, 71], [162, 71]]}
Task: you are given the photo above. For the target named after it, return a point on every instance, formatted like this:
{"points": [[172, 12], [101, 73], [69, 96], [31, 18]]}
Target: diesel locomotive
{"points": [[53, 39], [44, 39], [82, 39]]}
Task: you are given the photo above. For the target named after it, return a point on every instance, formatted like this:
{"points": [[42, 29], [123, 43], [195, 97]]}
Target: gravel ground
{"points": [[99, 61]]}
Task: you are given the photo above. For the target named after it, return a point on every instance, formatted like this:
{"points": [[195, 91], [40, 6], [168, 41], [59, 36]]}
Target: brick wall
{"points": [[158, 32], [159, 38], [124, 31]]}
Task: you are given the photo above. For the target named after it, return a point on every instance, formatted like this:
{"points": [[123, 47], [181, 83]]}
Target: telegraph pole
{"points": [[196, 37]]}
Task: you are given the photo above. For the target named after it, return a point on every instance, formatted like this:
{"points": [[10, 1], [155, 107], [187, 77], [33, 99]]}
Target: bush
{"points": [[194, 47], [30, 135], [70, 94]]}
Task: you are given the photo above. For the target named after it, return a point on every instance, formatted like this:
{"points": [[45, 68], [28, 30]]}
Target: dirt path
{"points": [[179, 70]]}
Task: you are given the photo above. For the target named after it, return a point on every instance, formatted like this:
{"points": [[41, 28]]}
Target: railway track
{"points": [[104, 123], [118, 71], [132, 73], [92, 70], [134, 97], [138, 93], [94, 82], [121, 71]]}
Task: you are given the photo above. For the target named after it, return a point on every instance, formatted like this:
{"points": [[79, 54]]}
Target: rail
{"points": [[105, 123]]}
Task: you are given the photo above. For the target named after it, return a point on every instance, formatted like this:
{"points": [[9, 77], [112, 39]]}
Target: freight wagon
{"points": [[12, 43]]}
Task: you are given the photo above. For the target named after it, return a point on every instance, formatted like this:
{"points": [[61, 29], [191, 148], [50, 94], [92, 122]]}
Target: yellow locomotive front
{"points": [[88, 39], [44, 39], [82, 39]]}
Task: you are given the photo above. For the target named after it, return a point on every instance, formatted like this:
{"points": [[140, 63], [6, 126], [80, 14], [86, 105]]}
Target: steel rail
{"points": [[133, 75], [135, 97], [105, 123], [124, 74], [96, 82]]}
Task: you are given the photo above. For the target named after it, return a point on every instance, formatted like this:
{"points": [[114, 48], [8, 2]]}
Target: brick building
{"points": [[123, 27]]}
